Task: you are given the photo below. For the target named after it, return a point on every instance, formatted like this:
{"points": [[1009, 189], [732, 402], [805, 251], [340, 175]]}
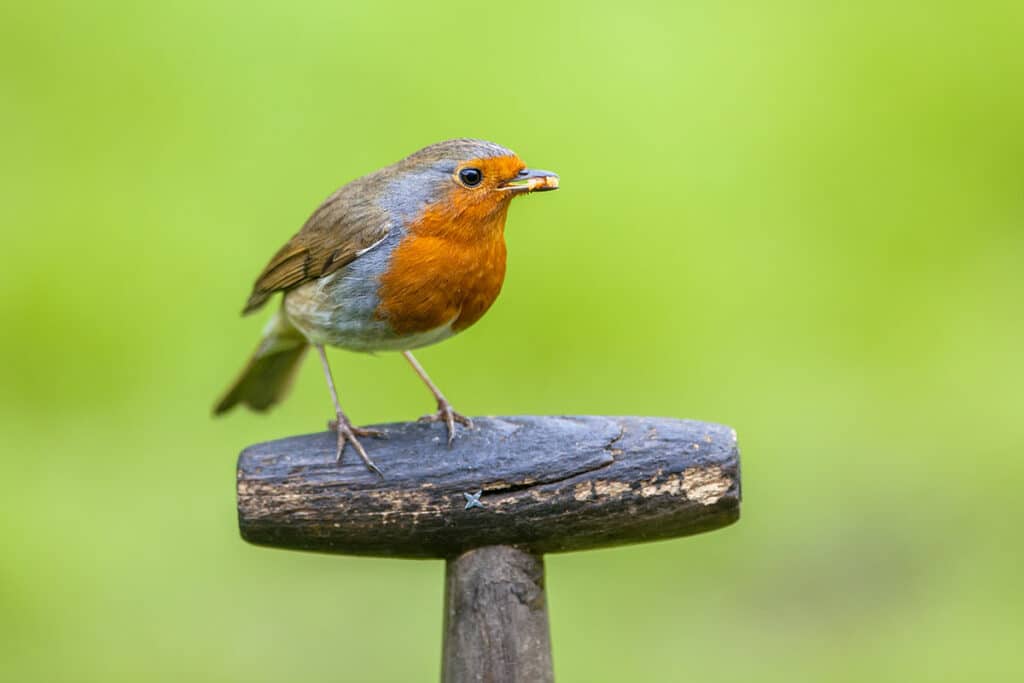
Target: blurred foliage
{"points": [[800, 219]]}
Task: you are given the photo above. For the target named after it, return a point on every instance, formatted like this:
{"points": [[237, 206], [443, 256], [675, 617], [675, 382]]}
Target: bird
{"points": [[398, 259]]}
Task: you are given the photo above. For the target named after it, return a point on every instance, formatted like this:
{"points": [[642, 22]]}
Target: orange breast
{"points": [[448, 269]]}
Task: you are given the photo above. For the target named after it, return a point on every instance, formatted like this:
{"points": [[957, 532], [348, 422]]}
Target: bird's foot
{"points": [[347, 435], [445, 413], [358, 431]]}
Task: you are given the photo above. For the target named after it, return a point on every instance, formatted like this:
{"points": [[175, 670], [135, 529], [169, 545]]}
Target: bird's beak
{"points": [[531, 180]]}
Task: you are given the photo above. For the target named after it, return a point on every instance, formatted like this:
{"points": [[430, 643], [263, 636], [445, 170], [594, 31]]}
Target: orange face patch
{"points": [[470, 209], [451, 266], [496, 170]]}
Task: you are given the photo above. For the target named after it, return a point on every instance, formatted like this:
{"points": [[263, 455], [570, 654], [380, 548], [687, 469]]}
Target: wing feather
{"points": [[345, 226]]}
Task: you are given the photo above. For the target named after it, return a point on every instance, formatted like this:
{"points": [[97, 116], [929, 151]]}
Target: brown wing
{"points": [[345, 225]]}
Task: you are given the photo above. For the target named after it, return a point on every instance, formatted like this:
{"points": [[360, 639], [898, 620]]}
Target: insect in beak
{"points": [[531, 180]]}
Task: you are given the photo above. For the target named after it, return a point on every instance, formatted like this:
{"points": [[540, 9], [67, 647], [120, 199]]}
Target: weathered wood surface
{"points": [[496, 618], [547, 484]]}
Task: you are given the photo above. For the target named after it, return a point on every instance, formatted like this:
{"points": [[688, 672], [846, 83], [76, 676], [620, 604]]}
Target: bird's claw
{"points": [[347, 434], [445, 413], [359, 431]]}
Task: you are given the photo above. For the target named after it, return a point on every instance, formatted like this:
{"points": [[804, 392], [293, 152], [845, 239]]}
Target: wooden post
{"points": [[496, 617], [509, 490]]}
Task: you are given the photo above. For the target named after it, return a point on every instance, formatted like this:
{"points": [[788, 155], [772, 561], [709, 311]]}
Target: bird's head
{"points": [[461, 184]]}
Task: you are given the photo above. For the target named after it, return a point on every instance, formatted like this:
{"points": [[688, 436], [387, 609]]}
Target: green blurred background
{"points": [[804, 221]]}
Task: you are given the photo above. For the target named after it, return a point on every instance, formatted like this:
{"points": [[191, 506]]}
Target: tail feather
{"points": [[268, 375]]}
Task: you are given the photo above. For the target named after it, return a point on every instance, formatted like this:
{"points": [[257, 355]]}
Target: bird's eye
{"points": [[471, 177]]}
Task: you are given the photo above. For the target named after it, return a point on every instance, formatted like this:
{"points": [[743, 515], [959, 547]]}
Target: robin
{"points": [[396, 260]]}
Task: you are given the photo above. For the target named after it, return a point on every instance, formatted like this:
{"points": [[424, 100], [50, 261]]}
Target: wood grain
{"points": [[548, 484], [496, 618]]}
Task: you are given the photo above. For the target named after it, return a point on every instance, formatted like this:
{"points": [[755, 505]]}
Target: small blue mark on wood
{"points": [[473, 500]]}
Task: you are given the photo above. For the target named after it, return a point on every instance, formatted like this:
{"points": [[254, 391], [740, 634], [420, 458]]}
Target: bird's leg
{"points": [[343, 426], [445, 413]]}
